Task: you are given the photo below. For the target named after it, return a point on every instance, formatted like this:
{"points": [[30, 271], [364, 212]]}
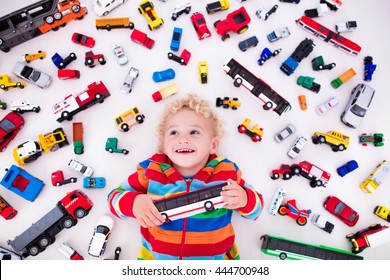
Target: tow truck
{"points": [[237, 21]]}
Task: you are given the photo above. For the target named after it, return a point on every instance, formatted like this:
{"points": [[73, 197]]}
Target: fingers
{"points": [[151, 219]]}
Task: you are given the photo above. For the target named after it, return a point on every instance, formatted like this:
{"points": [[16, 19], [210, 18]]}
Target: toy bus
{"points": [[192, 203], [294, 250]]}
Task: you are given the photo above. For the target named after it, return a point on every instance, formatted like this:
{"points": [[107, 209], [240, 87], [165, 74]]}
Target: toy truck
{"points": [[69, 252], [320, 11], [308, 82], [291, 63], [6, 210], [22, 183], [112, 146], [237, 21], [72, 104], [376, 177], [322, 223], [141, 38], [78, 143], [213, 7], [318, 64], [373, 236], [369, 68], [35, 239], [343, 78]]}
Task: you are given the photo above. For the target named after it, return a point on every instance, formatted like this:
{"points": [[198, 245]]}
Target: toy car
{"points": [[65, 74], [267, 54], [308, 82], [320, 11], [94, 182], [9, 128], [183, 59], [127, 84], [323, 108], [369, 68], [181, 9], [203, 71], [92, 59], [290, 208], [337, 140], [322, 223], [165, 75], [165, 92], [318, 63], [341, 210], [176, 38], [112, 146], [6, 210], [60, 62], [347, 168], [255, 132], [376, 139], [58, 179], [80, 168], [373, 236], [141, 38], [31, 75], [83, 40], [6, 255], [129, 118], [284, 133], [101, 233], [23, 106], [120, 54], [297, 147], [347, 26], [237, 21], [278, 33], [357, 106], [33, 56], [103, 7], [226, 102], [146, 8], [216, 6], [302, 102], [376, 177], [200, 25], [277, 201], [264, 13], [247, 43], [6, 83], [382, 212]]}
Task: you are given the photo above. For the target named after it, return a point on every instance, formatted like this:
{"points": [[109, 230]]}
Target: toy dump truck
{"points": [[78, 143]]}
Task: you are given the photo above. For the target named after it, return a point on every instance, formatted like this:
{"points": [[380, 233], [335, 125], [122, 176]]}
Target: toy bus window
{"points": [[171, 204], [4, 26], [160, 206], [192, 198], [182, 201], [20, 183]]}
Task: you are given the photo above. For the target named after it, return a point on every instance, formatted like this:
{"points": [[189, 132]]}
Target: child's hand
{"points": [[234, 195], [145, 211]]}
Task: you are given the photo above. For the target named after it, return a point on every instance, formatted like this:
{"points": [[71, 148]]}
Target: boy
{"points": [[189, 134]]}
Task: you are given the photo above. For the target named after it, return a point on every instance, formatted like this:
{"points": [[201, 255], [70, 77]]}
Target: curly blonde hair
{"points": [[193, 102]]}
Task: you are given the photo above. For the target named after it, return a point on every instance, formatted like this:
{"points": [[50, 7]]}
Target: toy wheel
{"points": [[80, 213], [188, 9], [209, 206], [350, 236], [139, 119], [89, 61], [110, 150], [57, 16], [237, 82], [242, 29], [98, 97], [49, 20], [125, 152], [102, 61], [302, 221], [165, 217], [174, 17], [315, 183], [3, 87], [287, 176], [267, 106], [256, 138], [241, 129], [215, 23], [282, 210], [357, 251], [321, 139], [76, 8], [150, 28], [131, 25], [73, 180], [58, 184], [125, 127], [282, 256], [36, 109], [296, 170], [45, 241], [341, 147], [182, 61], [234, 108], [66, 115], [225, 37], [275, 176], [108, 27], [34, 250]]}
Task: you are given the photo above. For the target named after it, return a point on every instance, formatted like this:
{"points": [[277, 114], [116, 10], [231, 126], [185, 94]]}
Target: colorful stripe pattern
{"points": [[208, 235]]}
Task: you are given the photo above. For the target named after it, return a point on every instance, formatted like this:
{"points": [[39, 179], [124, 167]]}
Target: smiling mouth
{"points": [[184, 151]]}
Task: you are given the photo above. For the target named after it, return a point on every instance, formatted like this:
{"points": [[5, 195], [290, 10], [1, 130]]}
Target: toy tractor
{"points": [[237, 21]]}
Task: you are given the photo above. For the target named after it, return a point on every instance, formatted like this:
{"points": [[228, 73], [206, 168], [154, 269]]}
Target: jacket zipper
{"points": [[183, 233]]}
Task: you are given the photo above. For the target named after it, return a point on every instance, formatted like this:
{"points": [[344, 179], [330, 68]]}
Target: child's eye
{"points": [[173, 132], [194, 132]]}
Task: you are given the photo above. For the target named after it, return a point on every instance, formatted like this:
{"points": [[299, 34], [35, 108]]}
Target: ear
{"points": [[214, 145]]}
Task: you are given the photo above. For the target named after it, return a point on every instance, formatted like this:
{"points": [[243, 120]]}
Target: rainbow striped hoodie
{"points": [[207, 235]]}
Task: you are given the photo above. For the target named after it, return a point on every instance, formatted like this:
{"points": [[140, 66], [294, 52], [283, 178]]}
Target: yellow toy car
{"points": [[33, 56], [146, 8], [129, 118], [203, 70], [6, 83], [226, 102], [337, 140], [255, 132], [382, 212], [376, 177]]}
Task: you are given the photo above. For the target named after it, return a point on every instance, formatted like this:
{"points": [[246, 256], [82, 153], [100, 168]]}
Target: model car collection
{"points": [[76, 205]]}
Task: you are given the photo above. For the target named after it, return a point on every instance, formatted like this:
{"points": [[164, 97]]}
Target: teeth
{"points": [[184, 151]]}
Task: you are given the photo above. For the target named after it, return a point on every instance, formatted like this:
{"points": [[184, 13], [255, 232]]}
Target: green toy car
{"points": [[376, 139]]}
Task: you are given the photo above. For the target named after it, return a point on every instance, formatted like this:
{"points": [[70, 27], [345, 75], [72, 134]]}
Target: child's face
{"points": [[188, 141]]}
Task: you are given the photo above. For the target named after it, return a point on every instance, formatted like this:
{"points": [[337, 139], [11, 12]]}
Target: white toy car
{"points": [[346, 26], [103, 7], [31, 75], [286, 132], [80, 168], [357, 106], [102, 232], [180, 9], [323, 108], [277, 201], [297, 147], [120, 54], [129, 80], [322, 223], [23, 106], [6, 254]]}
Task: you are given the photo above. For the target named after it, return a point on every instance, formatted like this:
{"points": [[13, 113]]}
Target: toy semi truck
{"points": [[303, 50], [35, 239], [78, 143], [213, 7]]}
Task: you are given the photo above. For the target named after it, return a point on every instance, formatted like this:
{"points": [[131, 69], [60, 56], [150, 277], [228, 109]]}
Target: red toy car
{"points": [[290, 209], [58, 179], [237, 21], [141, 38], [200, 26], [6, 210], [9, 127], [65, 74], [83, 40], [341, 210]]}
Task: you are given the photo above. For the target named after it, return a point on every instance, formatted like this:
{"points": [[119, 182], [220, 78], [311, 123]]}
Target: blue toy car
{"points": [[165, 75], [176, 37], [94, 182], [347, 168], [267, 54], [247, 43], [22, 183]]}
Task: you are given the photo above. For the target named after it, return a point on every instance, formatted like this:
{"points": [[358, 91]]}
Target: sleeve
{"points": [[255, 205], [120, 200]]}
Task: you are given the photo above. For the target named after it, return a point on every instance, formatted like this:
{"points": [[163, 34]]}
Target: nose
{"points": [[183, 140]]}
